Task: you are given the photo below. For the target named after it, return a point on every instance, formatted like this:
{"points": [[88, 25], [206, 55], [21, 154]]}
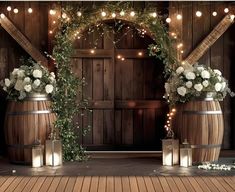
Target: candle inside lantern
{"points": [[170, 152], [37, 155], [53, 152], [185, 154]]}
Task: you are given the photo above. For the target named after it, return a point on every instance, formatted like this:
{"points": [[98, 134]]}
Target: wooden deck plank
{"points": [[110, 184], [118, 184], [54, 184], [30, 184], [133, 184], [230, 182], [157, 185], [102, 184], [141, 184], [46, 184], [70, 184], [14, 184], [211, 186], [86, 184], [202, 184], [179, 184], [94, 184], [149, 184], [62, 185], [187, 184], [226, 186], [22, 184], [78, 184], [126, 184], [2, 180], [164, 184], [217, 184], [5, 185], [39, 183], [195, 185], [172, 184]]}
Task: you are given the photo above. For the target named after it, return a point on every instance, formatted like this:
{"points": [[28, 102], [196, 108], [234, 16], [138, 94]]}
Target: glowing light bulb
{"points": [[122, 13], [119, 56], [181, 51], [168, 20], [179, 17], [214, 13], [182, 62], [8, 8], [226, 10], [52, 12], [50, 32], [132, 14], [103, 14], [2, 16], [198, 13], [173, 110], [113, 15], [140, 53], [30, 10], [154, 14], [180, 45], [16, 10], [123, 59], [92, 51], [64, 15], [54, 22], [78, 37], [79, 13]]}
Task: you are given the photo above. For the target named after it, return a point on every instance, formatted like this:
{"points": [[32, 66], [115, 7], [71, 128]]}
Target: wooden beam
{"points": [[198, 52], [22, 40]]}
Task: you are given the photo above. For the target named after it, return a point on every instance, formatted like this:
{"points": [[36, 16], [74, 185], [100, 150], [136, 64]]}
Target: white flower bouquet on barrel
{"points": [[189, 82], [29, 79]]}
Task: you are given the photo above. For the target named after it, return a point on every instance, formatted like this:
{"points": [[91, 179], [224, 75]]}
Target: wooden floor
{"points": [[118, 184]]}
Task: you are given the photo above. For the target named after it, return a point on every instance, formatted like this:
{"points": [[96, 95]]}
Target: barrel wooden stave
{"points": [[21, 130], [200, 129]]}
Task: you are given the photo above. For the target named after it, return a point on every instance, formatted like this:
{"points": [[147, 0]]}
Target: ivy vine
{"points": [[72, 23]]}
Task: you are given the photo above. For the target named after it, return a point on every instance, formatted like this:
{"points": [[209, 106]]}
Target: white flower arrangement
{"points": [[28, 79], [189, 82]]}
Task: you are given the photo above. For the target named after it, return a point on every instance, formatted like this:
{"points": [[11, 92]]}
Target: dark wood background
{"points": [[36, 26]]}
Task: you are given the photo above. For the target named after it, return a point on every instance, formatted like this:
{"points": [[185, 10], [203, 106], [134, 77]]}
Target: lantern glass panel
{"points": [[170, 151], [37, 156], [53, 152]]}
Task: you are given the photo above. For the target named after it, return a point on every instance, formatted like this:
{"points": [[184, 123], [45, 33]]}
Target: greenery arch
{"points": [[72, 23]]}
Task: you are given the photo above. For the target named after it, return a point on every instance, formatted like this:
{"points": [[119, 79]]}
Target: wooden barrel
{"points": [[26, 122], [201, 123]]}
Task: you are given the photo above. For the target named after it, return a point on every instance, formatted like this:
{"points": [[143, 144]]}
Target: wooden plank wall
{"points": [[193, 30]]}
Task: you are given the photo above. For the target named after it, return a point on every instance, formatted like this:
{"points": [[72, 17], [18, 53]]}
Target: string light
{"points": [[113, 15], [198, 13], [8, 8], [179, 17], [214, 13], [180, 45], [2, 16], [30, 10], [64, 15], [119, 56], [15, 10], [168, 20], [122, 58], [92, 51], [181, 51], [140, 53], [50, 32], [79, 13], [54, 22], [154, 14], [78, 37], [52, 12], [103, 14], [132, 14], [122, 13], [226, 10]]}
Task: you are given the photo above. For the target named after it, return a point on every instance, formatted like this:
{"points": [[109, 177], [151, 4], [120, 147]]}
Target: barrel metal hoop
{"points": [[20, 146], [203, 112], [30, 112], [37, 99], [206, 146]]}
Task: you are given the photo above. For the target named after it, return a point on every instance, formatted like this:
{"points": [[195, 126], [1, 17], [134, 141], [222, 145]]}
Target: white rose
{"points": [[37, 82], [19, 85], [14, 72], [27, 79], [218, 72], [190, 75], [5, 89], [181, 91], [7, 82], [37, 73], [20, 73], [52, 74], [189, 84], [22, 95], [28, 88], [179, 70], [223, 85], [205, 74], [219, 78], [205, 83], [218, 86], [49, 88], [200, 68], [198, 87], [167, 87]]}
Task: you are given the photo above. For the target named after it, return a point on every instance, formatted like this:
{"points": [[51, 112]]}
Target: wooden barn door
{"points": [[125, 94]]}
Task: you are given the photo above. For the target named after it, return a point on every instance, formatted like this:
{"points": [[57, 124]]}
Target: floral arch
{"points": [[72, 23]]}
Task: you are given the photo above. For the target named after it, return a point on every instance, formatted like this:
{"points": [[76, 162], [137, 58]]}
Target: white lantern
{"points": [[37, 155], [185, 154], [170, 152], [53, 152]]}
